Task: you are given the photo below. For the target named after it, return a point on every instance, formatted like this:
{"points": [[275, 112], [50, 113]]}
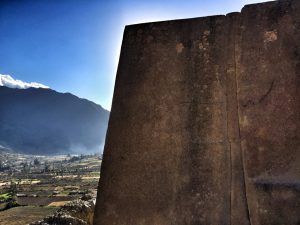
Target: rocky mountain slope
{"points": [[43, 121]]}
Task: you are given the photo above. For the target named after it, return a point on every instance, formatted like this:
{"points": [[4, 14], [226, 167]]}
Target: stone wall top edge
{"points": [[170, 22], [260, 6], [249, 7]]}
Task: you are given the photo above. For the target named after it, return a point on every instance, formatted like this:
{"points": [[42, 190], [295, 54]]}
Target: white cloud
{"points": [[8, 81]]}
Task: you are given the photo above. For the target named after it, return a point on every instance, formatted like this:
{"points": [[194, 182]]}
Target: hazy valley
{"points": [[33, 187], [50, 156]]}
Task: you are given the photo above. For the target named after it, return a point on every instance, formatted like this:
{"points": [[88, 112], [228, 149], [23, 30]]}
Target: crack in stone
{"points": [[261, 99], [237, 44], [267, 93]]}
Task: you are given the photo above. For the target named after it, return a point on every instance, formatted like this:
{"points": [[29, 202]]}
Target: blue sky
{"points": [[73, 45]]}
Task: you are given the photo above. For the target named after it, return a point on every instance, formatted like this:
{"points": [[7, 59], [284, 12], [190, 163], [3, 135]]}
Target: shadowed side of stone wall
{"points": [[167, 159], [269, 108], [204, 127]]}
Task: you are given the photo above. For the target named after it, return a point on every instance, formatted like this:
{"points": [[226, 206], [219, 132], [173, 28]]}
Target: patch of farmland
{"points": [[25, 215]]}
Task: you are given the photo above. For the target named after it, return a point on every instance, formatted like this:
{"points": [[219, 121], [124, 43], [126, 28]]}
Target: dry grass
{"points": [[24, 215], [58, 204]]}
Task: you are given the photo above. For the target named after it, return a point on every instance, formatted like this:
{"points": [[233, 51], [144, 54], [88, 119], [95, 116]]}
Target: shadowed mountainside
{"points": [[43, 121]]}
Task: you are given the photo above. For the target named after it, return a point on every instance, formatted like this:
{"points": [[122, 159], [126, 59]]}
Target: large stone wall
{"points": [[204, 127]]}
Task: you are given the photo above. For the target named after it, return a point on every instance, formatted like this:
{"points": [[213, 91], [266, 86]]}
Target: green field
{"points": [[4, 197]]}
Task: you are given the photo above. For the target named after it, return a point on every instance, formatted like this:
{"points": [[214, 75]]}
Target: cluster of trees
{"points": [[4, 167]]}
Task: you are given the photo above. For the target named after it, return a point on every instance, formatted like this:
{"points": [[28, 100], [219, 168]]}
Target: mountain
{"points": [[43, 121]]}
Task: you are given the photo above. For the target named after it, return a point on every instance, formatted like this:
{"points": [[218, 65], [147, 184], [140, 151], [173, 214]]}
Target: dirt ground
{"points": [[24, 215]]}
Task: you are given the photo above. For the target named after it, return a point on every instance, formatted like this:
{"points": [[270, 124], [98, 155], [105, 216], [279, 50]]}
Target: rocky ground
{"points": [[78, 212]]}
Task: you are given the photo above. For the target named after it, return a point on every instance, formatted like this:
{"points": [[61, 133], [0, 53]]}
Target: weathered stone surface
{"points": [[77, 212], [204, 127], [269, 109]]}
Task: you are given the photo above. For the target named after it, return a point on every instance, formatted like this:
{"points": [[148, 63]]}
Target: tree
{"points": [[36, 162], [13, 187], [3, 166], [47, 168]]}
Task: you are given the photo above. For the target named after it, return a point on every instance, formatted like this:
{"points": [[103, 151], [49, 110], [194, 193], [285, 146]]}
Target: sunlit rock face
{"points": [[205, 122]]}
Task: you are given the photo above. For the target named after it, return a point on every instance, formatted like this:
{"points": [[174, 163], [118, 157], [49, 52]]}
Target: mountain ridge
{"points": [[38, 120]]}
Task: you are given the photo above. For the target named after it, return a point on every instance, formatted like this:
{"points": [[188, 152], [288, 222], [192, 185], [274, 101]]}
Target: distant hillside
{"points": [[43, 121]]}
